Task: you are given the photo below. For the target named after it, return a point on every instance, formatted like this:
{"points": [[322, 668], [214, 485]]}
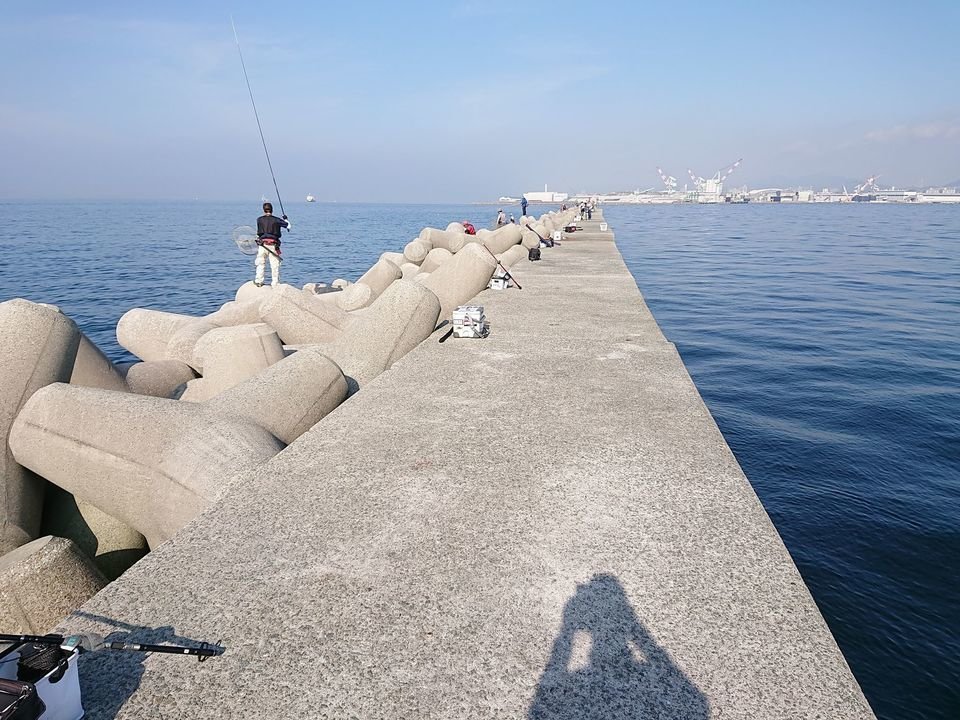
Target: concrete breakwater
{"points": [[545, 523], [109, 461]]}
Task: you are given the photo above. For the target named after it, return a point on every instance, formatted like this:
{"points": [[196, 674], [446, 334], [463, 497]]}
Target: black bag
{"points": [[534, 254], [19, 701]]}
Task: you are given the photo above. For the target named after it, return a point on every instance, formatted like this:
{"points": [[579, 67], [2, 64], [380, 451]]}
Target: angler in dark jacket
{"points": [[268, 238]]}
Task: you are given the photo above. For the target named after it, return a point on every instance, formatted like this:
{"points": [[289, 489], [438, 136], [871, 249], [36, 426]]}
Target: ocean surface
{"points": [[824, 339]]}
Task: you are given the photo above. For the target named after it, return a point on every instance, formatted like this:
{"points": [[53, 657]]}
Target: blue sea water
{"points": [[824, 340]]}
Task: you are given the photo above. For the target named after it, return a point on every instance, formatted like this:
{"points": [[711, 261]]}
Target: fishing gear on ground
{"points": [[506, 273], [39, 677]]}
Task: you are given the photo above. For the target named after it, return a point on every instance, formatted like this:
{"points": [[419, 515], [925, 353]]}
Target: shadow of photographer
{"points": [[604, 664]]}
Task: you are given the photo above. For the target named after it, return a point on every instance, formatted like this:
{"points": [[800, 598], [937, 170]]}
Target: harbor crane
{"points": [[715, 183], [867, 185], [669, 180]]}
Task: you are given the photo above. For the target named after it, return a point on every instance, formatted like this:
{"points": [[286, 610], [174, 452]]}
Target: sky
{"points": [[466, 100]]}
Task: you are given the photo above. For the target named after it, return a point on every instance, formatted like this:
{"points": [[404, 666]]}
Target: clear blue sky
{"points": [[457, 101]]}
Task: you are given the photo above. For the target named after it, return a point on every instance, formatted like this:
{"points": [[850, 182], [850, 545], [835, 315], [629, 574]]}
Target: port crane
{"points": [[867, 186], [669, 180], [715, 183]]}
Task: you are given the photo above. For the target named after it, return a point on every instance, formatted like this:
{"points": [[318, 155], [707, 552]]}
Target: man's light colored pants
{"points": [[261, 261]]}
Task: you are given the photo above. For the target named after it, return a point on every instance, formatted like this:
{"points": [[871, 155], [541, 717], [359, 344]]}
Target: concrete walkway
{"points": [[545, 523]]}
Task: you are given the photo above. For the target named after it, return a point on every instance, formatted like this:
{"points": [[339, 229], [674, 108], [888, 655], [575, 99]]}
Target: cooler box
{"points": [[59, 689], [469, 322], [499, 281]]}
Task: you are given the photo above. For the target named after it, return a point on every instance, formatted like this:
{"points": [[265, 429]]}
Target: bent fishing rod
{"points": [[257, 116]]}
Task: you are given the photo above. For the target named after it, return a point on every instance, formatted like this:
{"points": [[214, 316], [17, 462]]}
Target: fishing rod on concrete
{"points": [[257, 116], [89, 642], [506, 273]]}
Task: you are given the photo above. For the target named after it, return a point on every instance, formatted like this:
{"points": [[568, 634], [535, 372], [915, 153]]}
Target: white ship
{"points": [[311, 198]]}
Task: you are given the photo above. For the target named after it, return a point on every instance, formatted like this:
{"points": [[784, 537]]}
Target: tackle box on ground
{"points": [[469, 322], [58, 687]]}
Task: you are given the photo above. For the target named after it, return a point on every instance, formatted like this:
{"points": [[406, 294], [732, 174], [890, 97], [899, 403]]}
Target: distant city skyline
{"points": [[466, 101]]}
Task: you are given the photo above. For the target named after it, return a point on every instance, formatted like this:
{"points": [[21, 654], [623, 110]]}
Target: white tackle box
{"points": [[469, 322]]}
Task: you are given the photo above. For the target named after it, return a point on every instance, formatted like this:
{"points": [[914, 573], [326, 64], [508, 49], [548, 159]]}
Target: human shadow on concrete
{"points": [[108, 678], [604, 664]]}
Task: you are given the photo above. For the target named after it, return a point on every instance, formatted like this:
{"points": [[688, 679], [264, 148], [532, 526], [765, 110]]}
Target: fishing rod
{"points": [[89, 642], [506, 272], [257, 116]]}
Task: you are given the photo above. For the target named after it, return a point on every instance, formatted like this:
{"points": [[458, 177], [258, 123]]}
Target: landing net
{"points": [[246, 239]]}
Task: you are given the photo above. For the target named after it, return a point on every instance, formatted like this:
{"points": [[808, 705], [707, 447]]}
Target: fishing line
{"points": [[256, 115]]}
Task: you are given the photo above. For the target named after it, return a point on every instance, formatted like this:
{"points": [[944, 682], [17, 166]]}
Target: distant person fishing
{"points": [[268, 240], [268, 226]]}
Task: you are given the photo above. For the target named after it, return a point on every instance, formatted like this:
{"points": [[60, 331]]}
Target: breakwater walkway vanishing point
{"points": [[545, 523]]}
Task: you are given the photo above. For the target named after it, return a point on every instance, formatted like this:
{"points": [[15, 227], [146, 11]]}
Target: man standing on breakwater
{"points": [[523, 206], [501, 218], [268, 238]]}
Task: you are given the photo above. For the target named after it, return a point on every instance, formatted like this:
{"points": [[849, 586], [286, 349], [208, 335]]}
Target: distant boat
{"points": [[506, 200], [311, 198]]}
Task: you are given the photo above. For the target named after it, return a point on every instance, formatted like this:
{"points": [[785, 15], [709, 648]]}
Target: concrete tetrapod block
{"points": [[529, 239], [513, 255], [237, 313], [249, 291], [416, 250], [456, 227], [368, 288], [460, 278], [288, 398], [402, 317], [92, 368], [183, 343], [153, 464], [300, 318], [396, 258], [39, 347], [434, 259], [409, 270], [146, 333], [232, 355], [446, 239], [43, 582], [112, 545], [502, 238], [158, 378]]}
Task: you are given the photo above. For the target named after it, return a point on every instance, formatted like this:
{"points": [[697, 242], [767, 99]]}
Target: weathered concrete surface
{"points": [[153, 464], [39, 347], [41, 582], [545, 523], [112, 545]]}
